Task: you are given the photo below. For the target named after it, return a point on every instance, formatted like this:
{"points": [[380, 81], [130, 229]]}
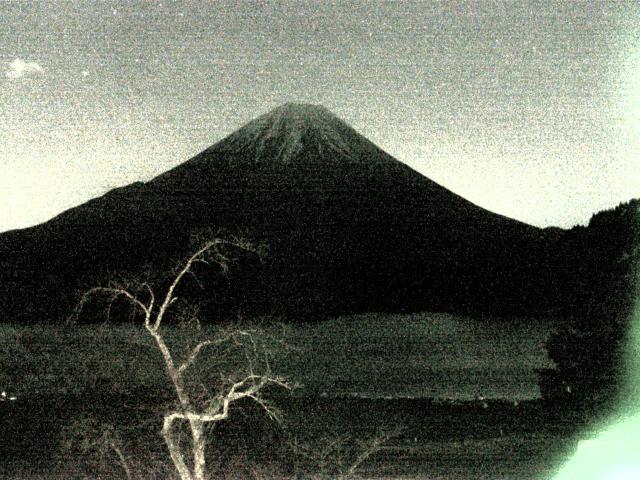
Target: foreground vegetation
{"points": [[438, 441], [378, 355], [83, 390], [108, 397]]}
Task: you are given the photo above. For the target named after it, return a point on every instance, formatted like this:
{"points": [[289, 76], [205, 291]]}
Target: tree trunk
{"points": [[199, 444], [174, 450]]}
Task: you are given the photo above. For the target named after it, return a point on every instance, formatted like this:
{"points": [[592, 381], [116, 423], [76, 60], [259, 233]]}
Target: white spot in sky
{"points": [[19, 68]]}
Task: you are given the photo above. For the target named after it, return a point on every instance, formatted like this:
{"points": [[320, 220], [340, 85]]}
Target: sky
{"points": [[529, 109]]}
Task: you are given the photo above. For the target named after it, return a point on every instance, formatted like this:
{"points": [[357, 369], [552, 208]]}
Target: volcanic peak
{"points": [[288, 130]]}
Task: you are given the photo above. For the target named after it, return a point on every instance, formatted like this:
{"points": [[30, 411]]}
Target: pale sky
{"points": [[529, 109]]}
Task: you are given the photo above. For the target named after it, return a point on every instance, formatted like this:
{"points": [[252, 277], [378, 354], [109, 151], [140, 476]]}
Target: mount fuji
{"points": [[348, 227]]}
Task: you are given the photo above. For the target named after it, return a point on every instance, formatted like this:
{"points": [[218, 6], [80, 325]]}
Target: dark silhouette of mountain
{"points": [[348, 227]]}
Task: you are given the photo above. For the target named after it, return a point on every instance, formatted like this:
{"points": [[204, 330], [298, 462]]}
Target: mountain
{"points": [[348, 228]]}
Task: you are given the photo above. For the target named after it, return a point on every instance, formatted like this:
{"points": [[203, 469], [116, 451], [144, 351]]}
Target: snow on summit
{"points": [[292, 128]]}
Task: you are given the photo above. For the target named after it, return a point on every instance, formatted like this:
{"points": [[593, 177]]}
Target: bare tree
{"points": [[341, 457], [94, 438], [192, 408]]}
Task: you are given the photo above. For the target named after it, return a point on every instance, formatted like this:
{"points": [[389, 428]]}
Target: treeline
{"points": [[601, 271]]}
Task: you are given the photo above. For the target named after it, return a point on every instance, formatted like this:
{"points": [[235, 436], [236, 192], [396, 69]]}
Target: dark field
{"points": [[74, 384], [436, 441]]}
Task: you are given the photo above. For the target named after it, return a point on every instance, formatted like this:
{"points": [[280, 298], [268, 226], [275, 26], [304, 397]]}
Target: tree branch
{"points": [[122, 459], [152, 297], [375, 446], [191, 359], [195, 352], [196, 257], [115, 293], [169, 295]]}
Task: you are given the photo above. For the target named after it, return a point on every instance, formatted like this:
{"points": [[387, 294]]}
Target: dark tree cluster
{"points": [[602, 272]]}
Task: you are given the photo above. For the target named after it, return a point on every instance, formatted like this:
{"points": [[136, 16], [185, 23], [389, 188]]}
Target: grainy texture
{"points": [[527, 108]]}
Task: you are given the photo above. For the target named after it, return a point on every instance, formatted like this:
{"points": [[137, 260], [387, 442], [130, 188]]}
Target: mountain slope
{"points": [[349, 229]]}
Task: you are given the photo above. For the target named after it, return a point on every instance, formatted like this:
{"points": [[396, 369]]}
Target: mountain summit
{"points": [[293, 135], [349, 229], [286, 132]]}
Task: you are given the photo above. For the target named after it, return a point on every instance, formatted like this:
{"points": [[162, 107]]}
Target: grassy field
{"points": [[420, 356], [436, 441], [359, 376], [373, 355]]}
